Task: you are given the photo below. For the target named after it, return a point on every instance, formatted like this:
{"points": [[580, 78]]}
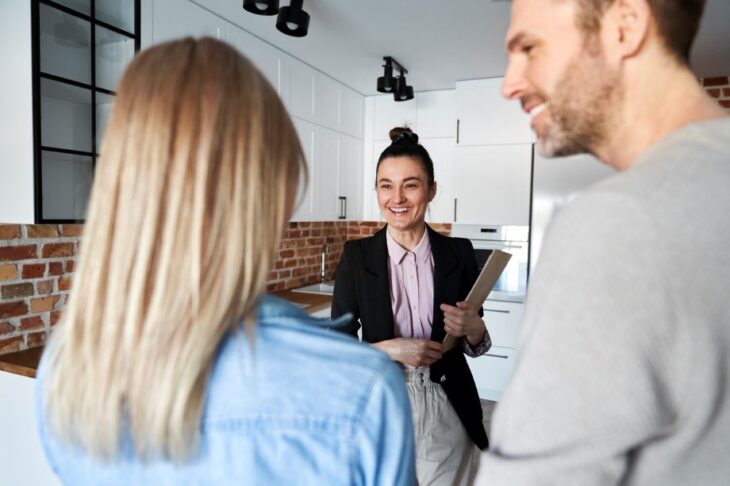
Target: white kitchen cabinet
{"points": [[492, 371], [327, 110], [303, 98], [324, 181], [389, 113], [349, 176], [304, 211], [486, 118], [441, 150], [503, 321], [370, 197], [436, 114], [352, 113], [493, 184]]}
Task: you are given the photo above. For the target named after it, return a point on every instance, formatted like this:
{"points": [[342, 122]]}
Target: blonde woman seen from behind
{"points": [[170, 365]]}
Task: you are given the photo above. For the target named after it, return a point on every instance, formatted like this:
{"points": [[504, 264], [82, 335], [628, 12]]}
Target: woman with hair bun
{"points": [[405, 286]]}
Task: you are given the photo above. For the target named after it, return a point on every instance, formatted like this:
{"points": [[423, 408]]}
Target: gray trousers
{"points": [[445, 455]]}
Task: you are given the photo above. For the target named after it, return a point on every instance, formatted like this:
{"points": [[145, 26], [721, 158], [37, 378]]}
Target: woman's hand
{"points": [[412, 352], [463, 320]]}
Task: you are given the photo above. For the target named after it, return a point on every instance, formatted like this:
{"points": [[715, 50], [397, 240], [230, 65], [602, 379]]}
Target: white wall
{"points": [[16, 114]]}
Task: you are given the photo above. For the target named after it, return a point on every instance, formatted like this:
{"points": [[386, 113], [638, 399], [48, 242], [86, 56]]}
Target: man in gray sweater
{"points": [[623, 375]]}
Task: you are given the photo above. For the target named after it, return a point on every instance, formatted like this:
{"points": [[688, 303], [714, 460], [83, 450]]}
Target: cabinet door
{"points": [[485, 117], [493, 184], [173, 19], [304, 210], [503, 320], [441, 150], [370, 198], [435, 114], [261, 54], [329, 93], [492, 371], [349, 175], [324, 182], [389, 113], [352, 113], [302, 90]]}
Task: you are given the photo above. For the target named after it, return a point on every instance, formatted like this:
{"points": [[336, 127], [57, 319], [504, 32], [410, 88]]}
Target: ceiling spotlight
{"points": [[402, 92], [292, 20], [261, 7], [386, 82]]}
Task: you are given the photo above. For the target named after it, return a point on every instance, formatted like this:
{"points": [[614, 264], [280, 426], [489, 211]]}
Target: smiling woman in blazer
{"points": [[405, 286]]}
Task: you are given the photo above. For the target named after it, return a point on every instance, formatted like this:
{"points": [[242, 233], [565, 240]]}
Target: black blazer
{"points": [[362, 288]]}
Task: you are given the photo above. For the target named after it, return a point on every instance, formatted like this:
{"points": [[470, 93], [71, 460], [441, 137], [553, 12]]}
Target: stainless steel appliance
{"points": [[556, 182], [512, 285]]}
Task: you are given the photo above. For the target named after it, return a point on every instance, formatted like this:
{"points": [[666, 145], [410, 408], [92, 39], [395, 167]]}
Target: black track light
{"points": [[292, 20], [402, 92], [386, 82], [261, 7]]}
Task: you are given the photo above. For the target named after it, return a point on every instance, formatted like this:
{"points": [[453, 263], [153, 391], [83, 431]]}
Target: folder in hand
{"points": [[489, 275]]}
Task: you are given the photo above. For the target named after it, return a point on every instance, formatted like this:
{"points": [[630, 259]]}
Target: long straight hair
{"points": [[195, 183]]}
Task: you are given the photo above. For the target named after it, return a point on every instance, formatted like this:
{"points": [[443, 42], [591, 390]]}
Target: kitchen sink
{"points": [[326, 288]]}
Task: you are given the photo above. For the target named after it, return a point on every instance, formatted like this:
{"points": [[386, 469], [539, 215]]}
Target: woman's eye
{"points": [[384, 186]]}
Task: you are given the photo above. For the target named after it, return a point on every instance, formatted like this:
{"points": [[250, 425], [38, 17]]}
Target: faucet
{"points": [[323, 268]]}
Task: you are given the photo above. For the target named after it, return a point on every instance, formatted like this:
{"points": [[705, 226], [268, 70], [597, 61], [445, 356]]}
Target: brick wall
{"points": [[37, 264], [718, 88]]}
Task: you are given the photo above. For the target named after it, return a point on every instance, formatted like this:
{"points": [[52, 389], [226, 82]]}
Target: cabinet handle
{"points": [[496, 355], [454, 210], [342, 201], [458, 122], [501, 311]]}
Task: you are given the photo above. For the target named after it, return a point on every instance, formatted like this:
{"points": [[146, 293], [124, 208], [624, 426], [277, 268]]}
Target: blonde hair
{"points": [[196, 181]]}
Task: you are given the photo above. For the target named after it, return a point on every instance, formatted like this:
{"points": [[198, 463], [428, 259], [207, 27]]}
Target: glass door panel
{"points": [[119, 13], [113, 53], [65, 45], [65, 116], [66, 185]]}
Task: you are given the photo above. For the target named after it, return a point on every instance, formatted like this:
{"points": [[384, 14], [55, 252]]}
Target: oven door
{"points": [[512, 284]]}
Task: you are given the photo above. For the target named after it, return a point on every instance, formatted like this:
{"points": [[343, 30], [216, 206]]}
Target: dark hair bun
{"points": [[402, 135]]}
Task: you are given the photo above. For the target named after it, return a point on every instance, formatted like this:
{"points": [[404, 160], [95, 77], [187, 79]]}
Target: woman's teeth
{"points": [[399, 210]]}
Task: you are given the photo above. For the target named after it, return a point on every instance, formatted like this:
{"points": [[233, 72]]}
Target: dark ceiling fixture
{"points": [[261, 7], [293, 20], [398, 86]]}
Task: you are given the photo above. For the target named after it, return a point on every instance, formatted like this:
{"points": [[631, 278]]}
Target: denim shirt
{"points": [[304, 406]]}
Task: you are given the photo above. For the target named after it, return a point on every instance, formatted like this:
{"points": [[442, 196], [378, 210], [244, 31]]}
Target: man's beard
{"points": [[581, 107]]}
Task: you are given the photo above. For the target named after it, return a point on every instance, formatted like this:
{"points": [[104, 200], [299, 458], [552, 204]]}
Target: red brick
{"points": [[293, 234], [9, 231], [42, 231], [714, 92], [8, 272], [55, 269], [298, 272], [725, 103], [726, 92], [35, 322], [54, 317], [72, 229], [11, 344], [64, 284], [716, 81], [22, 252], [44, 287], [54, 250], [70, 266], [13, 309], [34, 270], [286, 253], [284, 274], [43, 304], [6, 328], [36, 339], [14, 291]]}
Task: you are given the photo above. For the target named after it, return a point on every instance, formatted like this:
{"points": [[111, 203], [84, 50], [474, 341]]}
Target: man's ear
{"points": [[626, 26]]}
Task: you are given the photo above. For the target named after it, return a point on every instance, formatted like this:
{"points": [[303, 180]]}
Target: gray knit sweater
{"points": [[623, 374]]}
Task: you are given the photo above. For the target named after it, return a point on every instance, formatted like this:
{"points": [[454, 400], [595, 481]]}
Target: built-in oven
{"points": [[512, 284]]}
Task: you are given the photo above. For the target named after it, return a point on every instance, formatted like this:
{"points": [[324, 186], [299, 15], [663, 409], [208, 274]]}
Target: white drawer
{"points": [[492, 371], [503, 320]]}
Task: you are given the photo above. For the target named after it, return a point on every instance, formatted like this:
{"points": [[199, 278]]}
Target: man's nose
{"points": [[514, 83]]}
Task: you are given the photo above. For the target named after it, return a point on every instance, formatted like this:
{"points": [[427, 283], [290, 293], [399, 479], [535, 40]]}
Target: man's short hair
{"points": [[677, 21]]}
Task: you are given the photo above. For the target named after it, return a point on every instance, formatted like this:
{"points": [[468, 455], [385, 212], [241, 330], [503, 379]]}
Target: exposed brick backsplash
{"points": [[37, 264], [719, 88]]}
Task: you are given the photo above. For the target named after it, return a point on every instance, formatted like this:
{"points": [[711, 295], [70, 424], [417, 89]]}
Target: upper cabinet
{"points": [[484, 117], [389, 113], [435, 114], [172, 19]]}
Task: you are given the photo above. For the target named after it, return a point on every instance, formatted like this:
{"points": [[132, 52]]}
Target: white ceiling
{"points": [[438, 41]]}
